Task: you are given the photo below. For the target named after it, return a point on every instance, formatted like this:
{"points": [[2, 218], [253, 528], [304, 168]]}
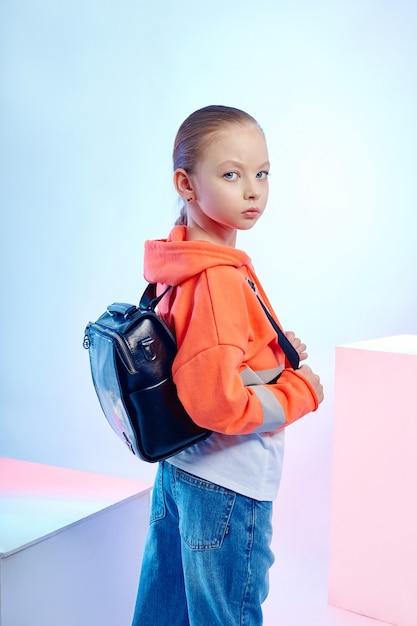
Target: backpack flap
{"points": [[146, 347]]}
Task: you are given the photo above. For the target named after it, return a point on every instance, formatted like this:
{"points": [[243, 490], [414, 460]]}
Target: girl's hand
{"points": [[313, 379], [296, 343]]}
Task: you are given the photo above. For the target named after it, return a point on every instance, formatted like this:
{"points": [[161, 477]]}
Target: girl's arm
{"points": [[227, 353]]}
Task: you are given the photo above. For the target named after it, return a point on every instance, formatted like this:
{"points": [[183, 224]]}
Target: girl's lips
{"points": [[253, 212]]}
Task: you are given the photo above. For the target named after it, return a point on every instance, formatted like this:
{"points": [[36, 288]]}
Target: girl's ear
{"points": [[183, 183]]}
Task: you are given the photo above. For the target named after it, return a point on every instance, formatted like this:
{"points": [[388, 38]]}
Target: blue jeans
{"points": [[207, 555]]}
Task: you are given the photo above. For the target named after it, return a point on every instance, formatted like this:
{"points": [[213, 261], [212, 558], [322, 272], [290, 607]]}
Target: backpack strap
{"points": [[149, 299], [288, 349]]}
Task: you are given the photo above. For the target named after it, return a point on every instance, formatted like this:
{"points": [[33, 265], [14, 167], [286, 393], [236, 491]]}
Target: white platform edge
{"points": [[401, 344], [82, 520]]}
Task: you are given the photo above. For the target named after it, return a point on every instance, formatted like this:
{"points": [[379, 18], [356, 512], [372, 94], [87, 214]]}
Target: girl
{"points": [[208, 552]]}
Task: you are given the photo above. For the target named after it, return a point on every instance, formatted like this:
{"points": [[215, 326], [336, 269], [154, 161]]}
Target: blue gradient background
{"points": [[92, 94]]}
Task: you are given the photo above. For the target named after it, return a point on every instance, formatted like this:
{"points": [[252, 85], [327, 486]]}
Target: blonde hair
{"points": [[194, 134]]}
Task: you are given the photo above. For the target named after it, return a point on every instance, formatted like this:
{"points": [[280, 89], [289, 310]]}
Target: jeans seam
{"points": [[249, 573], [158, 513]]}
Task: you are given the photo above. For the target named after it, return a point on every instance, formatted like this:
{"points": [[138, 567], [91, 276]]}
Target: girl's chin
{"points": [[248, 224]]}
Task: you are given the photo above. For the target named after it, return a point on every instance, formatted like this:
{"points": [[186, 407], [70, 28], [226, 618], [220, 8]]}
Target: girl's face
{"points": [[229, 184]]}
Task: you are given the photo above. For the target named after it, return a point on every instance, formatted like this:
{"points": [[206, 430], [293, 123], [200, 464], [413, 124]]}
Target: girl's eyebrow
{"points": [[265, 165]]}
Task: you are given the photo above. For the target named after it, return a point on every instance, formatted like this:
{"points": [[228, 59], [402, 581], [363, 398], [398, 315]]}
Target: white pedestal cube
{"points": [[373, 542], [71, 545]]}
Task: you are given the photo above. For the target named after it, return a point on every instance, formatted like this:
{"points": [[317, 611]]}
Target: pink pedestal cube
{"points": [[373, 538]]}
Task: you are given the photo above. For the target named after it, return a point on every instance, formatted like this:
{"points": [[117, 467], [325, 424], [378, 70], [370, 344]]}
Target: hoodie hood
{"points": [[172, 261]]}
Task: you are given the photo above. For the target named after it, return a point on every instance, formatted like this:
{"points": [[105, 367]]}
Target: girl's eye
{"points": [[262, 174], [230, 176]]}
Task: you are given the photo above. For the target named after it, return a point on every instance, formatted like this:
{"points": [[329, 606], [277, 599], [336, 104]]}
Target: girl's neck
{"points": [[219, 235]]}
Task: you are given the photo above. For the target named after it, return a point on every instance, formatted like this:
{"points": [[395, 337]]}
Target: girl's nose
{"points": [[251, 192]]}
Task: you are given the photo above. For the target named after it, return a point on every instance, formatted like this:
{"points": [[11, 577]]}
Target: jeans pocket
{"points": [[204, 511], [158, 507]]}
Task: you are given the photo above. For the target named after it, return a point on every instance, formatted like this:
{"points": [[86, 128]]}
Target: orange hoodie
{"points": [[227, 349]]}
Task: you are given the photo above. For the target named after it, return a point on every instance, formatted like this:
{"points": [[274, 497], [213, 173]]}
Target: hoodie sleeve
{"points": [[227, 349]]}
